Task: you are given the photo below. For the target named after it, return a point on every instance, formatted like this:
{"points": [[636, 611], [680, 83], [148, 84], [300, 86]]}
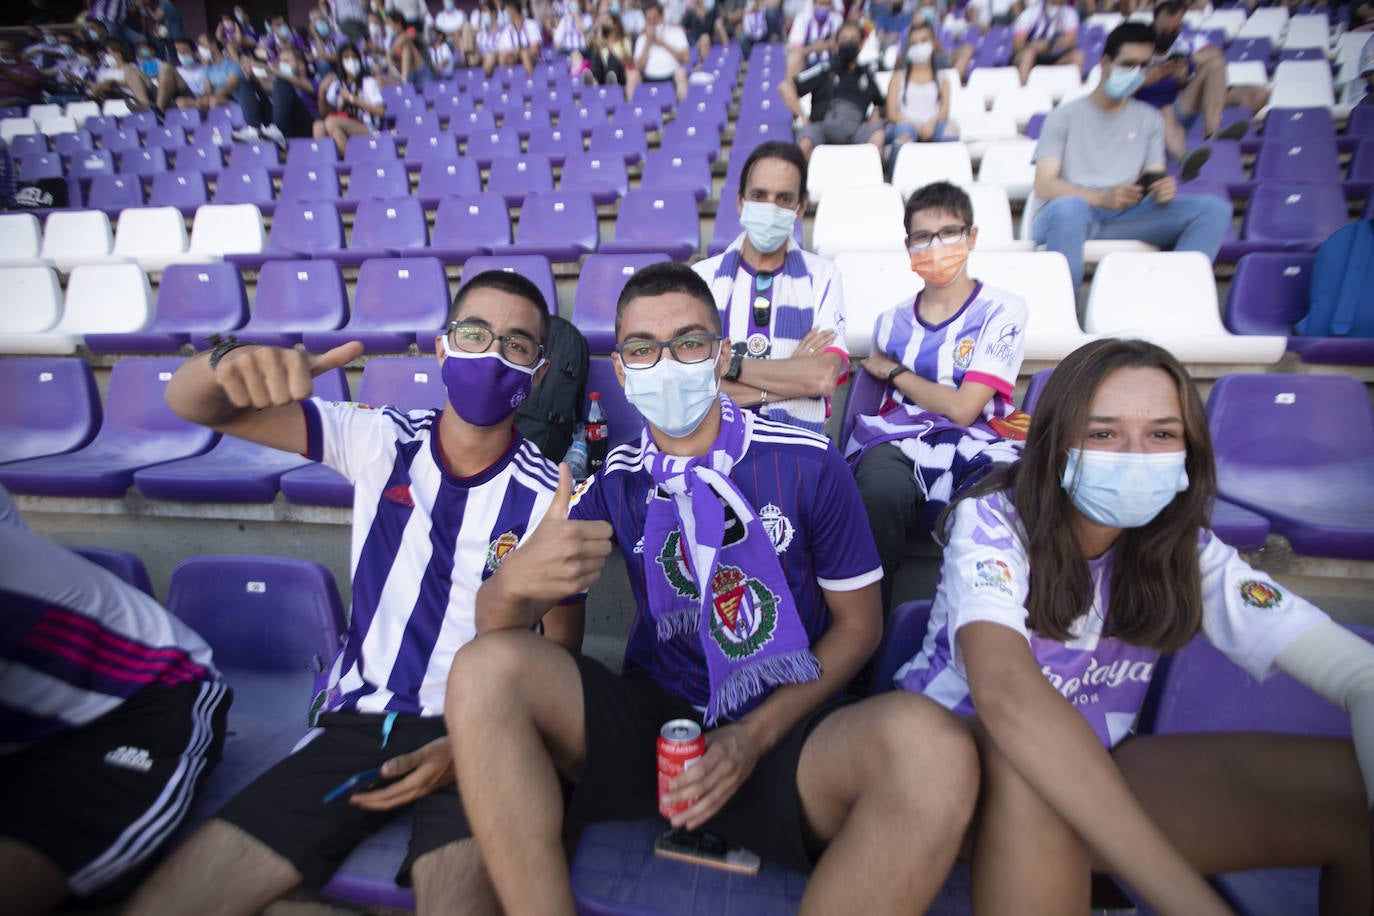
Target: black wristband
{"points": [[732, 373], [222, 346], [896, 371]]}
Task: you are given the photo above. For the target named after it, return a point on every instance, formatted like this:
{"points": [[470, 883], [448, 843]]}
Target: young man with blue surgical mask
{"points": [[441, 499], [1099, 167], [755, 580], [782, 306]]}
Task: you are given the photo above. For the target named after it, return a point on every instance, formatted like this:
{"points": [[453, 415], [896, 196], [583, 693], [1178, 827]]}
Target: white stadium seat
{"points": [[75, 237], [13, 127], [116, 107], [44, 112], [921, 163], [1059, 81], [1310, 30], [152, 236], [985, 83], [1229, 21], [57, 125], [1042, 279], [21, 239], [992, 216], [1265, 22], [849, 166], [873, 283], [1007, 163], [861, 219], [221, 229], [1302, 84], [33, 304], [80, 111], [1022, 103]]}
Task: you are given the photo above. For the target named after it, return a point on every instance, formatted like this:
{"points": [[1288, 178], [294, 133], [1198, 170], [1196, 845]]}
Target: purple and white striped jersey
{"points": [[985, 576], [424, 540], [983, 342]]}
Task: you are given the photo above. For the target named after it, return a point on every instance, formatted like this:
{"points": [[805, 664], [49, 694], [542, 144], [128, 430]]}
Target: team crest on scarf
{"points": [[673, 559], [497, 549], [963, 353], [1260, 595], [745, 613]]}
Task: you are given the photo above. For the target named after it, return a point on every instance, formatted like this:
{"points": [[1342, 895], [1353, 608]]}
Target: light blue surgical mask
{"points": [[767, 225], [674, 397], [1123, 489], [1123, 82]]}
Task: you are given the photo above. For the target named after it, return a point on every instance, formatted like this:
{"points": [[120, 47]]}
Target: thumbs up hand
{"points": [[260, 377]]}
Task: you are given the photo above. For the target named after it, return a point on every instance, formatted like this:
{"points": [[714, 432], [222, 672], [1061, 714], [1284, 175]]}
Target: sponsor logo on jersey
{"points": [[401, 495], [778, 526], [963, 353], [1260, 595], [499, 548], [744, 613], [1004, 348], [992, 574], [130, 758]]}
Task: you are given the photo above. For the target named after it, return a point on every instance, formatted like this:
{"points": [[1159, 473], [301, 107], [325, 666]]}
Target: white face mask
{"points": [[109, 60], [352, 66], [921, 52], [288, 70], [674, 397], [204, 54]]}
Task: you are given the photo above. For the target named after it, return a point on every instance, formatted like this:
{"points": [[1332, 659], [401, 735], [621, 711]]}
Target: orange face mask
{"points": [[940, 265]]}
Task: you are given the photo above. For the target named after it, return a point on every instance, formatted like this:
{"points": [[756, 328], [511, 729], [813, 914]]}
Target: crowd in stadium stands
{"points": [[761, 556]]}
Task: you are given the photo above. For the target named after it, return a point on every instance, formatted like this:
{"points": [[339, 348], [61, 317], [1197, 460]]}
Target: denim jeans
{"points": [[1186, 223]]}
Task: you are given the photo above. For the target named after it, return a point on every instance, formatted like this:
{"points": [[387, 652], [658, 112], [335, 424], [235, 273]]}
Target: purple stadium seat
{"points": [[235, 470], [1225, 166], [626, 141], [560, 225], [30, 144], [1361, 121], [299, 229], [1270, 293], [368, 875], [88, 165], [1199, 690], [623, 420], [414, 123], [1305, 158], [557, 143], [43, 165], [1034, 125], [184, 190], [467, 123], [599, 282], [104, 124], [67, 144], [51, 405], [661, 94], [127, 566], [649, 221], [168, 139], [468, 226], [704, 105], [117, 141], [388, 228], [533, 267], [1299, 450], [370, 148], [1243, 49], [516, 176], [403, 382], [637, 114], [185, 118], [143, 163], [247, 155], [395, 299], [143, 121], [294, 297], [113, 193], [435, 145], [311, 152], [1294, 216], [682, 137], [1299, 124], [376, 178], [275, 625], [309, 182], [903, 633], [203, 157], [489, 145], [139, 430], [864, 398], [604, 177], [1361, 173], [245, 186], [450, 178], [193, 301], [525, 119], [583, 118], [671, 168]]}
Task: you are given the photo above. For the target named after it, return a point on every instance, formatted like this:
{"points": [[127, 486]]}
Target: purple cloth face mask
{"points": [[484, 388]]}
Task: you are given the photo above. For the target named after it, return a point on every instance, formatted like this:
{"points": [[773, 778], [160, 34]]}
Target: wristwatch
{"points": [[222, 345], [896, 371], [732, 373]]}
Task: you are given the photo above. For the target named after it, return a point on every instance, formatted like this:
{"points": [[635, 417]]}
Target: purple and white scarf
{"points": [[722, 581]]}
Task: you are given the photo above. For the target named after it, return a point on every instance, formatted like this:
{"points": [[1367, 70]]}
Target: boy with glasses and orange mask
{"points": [[950, 361]]}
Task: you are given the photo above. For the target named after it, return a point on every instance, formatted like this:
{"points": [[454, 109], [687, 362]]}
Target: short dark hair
{"points": [[506, 281], [1128, 33], [652, 5], [663, 278], [774, 149], [942, 196], [847, 24]]}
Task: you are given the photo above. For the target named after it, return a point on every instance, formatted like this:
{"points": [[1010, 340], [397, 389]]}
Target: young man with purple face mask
{"points": [[755, 579], [441, 498]]}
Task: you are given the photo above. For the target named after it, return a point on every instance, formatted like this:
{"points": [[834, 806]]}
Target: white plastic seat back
{"points": [[848, 166], [992, 216], [1247, 73], [80, 111], [1302, 84], [1023, 102], [21, 238], [1309, 30], [13, 127], [1007, 163], [985, 83], [1170, 298], [1229, 21], [60, 124], [150, 235], [1059, 80], [1265, 22], [116, 107], [73, 237], [221, 229], [106, 299], [1042, 279], [873, 283], [33, 300], [860, 219], [918, 164]]}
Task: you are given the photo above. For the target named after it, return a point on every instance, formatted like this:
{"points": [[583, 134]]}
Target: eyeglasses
{"points": [[950, 235], [688, 348], [519, 349]]}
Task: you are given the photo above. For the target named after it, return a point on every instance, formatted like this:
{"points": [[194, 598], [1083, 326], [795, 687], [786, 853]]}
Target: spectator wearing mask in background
{"points": [[450, 20], [182, 82], [917, 103], [442, 62], [1046, 33], [699, 22], [812, 38], [570, 38], [610, 49], [350, 103], [842, 96], [520, 38], [404, 53], [661, 54], [1360, 91], [276, 108], [118, 78], [324, 42], [413, 12], [234, 32]]}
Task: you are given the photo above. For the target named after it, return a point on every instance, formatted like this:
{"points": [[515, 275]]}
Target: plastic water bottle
{"points": [[576, 458], [598, 434]]}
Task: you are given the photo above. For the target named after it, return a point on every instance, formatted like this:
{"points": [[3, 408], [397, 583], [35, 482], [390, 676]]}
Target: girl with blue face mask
{"points": [[1063, 578]]}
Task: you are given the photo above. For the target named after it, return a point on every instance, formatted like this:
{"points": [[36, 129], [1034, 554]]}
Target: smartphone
{"points": [[367, 779], [1148, 179], [702, 848]]}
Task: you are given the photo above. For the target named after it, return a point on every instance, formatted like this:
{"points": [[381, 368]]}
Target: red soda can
{"points": [[680, 746]]}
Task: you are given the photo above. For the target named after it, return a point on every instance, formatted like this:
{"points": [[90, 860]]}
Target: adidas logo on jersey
{"points": [[400, 494], [130, 758]]}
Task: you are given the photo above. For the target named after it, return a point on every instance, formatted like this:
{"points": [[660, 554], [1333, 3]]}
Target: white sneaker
{"points": [[273, 132], [247, 134]]}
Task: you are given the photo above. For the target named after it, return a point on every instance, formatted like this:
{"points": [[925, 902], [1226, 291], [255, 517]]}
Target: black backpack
{"points": [[550, 414]]}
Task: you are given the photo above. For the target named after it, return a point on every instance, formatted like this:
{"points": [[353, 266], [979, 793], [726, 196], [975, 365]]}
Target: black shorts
{"points": [[644, 78], [102, 799], [285, 809], [620, 776]]}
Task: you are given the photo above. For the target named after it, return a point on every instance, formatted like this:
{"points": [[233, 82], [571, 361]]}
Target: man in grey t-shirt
{"points": [[1099, 168]]}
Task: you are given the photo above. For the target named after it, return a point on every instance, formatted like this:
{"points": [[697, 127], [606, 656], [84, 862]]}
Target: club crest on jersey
{"points": [[778, 526], [757, 345], [499, 548], [1260, 595], [992, 574], [676, 568], [744, 613], [963, 353]]}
